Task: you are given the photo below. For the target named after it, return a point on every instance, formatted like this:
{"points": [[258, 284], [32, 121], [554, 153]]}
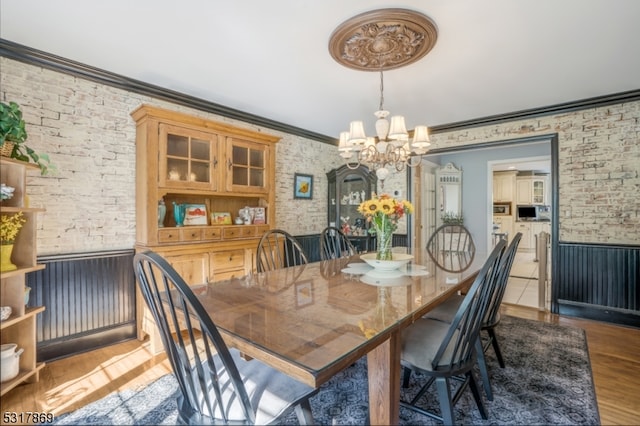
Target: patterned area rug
{"points": [[547, 380]]}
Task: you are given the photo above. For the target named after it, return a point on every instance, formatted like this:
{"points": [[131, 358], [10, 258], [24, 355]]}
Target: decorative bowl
{"points": [[385, 278], [5, 312], [399, 259]]}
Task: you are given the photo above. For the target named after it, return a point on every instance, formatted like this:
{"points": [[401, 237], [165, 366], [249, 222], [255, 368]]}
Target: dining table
{"points": [[311, 321]]}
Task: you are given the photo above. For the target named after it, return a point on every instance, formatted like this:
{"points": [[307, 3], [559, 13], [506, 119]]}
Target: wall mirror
{"points": [[448, 193]]}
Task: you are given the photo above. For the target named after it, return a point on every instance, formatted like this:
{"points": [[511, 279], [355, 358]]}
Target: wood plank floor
{"points": [[73, 382]]}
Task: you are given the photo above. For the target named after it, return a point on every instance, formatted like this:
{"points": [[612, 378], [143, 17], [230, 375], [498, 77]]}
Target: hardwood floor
{"points": [[73, 382]]}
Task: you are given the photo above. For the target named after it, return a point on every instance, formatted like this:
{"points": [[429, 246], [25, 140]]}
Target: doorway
{"points": [[476, 162]]}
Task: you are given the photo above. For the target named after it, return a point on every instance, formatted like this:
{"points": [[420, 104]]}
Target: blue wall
{"points": [[475, 180]]}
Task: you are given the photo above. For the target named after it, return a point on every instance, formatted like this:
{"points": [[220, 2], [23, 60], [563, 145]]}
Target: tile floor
{"points": [[522, 288]]}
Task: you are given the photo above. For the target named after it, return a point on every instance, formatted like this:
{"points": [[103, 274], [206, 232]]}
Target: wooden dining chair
{"points": [[334, 244], [446, 312], [444, 352], [278, 249], [451, 247], [216, 385]]}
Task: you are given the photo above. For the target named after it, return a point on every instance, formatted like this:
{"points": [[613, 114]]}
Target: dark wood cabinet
{"points": [[347, 188]]}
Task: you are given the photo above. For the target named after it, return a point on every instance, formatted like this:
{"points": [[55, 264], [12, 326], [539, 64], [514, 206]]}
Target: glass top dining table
{"points": [[314, 320]]}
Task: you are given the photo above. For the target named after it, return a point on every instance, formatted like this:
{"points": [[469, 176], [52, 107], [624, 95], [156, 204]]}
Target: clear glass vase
{"points": [[384, 236]]}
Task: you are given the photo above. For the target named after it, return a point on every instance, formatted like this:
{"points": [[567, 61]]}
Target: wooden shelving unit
{"points": [[186, 159], [20, 327]]}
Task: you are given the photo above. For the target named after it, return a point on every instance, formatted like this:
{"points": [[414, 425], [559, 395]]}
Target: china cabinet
{"points": [[215, 170], [20, 327], [347, 188]]}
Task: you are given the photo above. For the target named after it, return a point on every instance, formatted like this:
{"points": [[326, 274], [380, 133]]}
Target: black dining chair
{"points": [[451, 247], [217, 386], [446, 311], [278, 249], [444, 352], [334, 244]]}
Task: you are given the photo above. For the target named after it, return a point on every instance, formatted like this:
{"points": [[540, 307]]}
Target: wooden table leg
{"points": [[383, 366]]}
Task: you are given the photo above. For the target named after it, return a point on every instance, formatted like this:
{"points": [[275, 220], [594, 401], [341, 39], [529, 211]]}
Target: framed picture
{"points": [[304, 293], [303, 186], [221, 218], [195, 214], [259, 216]]}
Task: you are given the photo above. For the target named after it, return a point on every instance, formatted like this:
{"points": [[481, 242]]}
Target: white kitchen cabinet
{"points": [[531, 190], [525, 229], [504, 185], [505, 223]]}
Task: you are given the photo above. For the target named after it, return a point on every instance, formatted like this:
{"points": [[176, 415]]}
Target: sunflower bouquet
{"points": [[383, 213]]}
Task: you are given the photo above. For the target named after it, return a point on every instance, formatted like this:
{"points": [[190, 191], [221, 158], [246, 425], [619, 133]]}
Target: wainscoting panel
{"points": [[90, 302], [599, 282]]}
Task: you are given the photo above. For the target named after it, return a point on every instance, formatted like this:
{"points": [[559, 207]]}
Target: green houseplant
{"points": [[14, 135], [450, 218]]}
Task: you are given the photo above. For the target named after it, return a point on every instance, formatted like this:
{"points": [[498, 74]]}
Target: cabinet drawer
{"points": [[169, 235], [212, 234], [191, 234], [232, 259], [239, 232]]}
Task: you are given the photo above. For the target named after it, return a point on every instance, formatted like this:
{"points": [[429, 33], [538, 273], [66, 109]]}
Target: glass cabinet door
{"points": [[187, 157], [538, 192], [246, 166], [347, 189]]}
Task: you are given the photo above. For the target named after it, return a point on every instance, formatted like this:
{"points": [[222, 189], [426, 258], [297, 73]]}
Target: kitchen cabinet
{"points": [[347, 188], [20, 327], [532, 190], [529, 232], [505, 224], [219, 168], [504, 186]]}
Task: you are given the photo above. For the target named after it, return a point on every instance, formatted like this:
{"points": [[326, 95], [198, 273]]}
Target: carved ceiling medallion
{"points": [[383, 39]]}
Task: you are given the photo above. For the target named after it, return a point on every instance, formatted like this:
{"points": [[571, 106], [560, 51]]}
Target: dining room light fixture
{"points": [[377, 41]]}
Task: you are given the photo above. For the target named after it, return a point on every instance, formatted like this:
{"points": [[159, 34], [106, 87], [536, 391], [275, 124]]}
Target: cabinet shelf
{"points": [[23, 376], [20, 327], [15, 319], [21, 271]]}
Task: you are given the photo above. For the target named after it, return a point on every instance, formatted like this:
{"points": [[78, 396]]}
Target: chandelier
{"points": [[391, 148], [377, 41]]}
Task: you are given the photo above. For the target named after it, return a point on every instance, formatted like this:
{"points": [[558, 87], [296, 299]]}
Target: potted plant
{"points": [[13, 136], [450, 218]]}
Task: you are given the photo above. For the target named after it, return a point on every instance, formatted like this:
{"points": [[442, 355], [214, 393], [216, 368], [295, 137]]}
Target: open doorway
{"points": [[476, 163], [521, 202]]}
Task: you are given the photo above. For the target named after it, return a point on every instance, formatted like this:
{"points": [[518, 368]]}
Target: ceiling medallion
{"points": [[383, 39]]}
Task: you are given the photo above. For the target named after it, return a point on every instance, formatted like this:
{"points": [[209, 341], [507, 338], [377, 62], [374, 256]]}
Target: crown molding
{"points": [[46, 60]]}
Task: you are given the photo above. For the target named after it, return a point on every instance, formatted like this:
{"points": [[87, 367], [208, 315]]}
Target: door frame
{"points": [[552, 138]]}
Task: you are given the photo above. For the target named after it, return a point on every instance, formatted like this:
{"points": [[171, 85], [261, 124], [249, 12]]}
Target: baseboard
{"points": [[599, 313], [76, 344]]}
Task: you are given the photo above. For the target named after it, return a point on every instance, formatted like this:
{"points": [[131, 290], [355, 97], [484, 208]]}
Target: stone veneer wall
{"points": [[599, 168], [87, 130]]}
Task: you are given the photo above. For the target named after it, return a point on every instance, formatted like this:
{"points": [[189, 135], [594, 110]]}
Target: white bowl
{"points": [[5, 312], [385, 278], [399, 259]]}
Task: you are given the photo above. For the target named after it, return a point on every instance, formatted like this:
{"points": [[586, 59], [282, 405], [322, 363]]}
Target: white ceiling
{"points": [[271, 58]]}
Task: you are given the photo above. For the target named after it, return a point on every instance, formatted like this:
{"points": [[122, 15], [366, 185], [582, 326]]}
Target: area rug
{"points": [[547, 381]]}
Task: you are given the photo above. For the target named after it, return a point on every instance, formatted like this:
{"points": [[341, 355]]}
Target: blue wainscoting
{"points": [[90, 302], [600, 282]]}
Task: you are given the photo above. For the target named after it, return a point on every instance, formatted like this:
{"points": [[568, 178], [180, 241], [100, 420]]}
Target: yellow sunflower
{"points": [[387, 206], [369, 207]]}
